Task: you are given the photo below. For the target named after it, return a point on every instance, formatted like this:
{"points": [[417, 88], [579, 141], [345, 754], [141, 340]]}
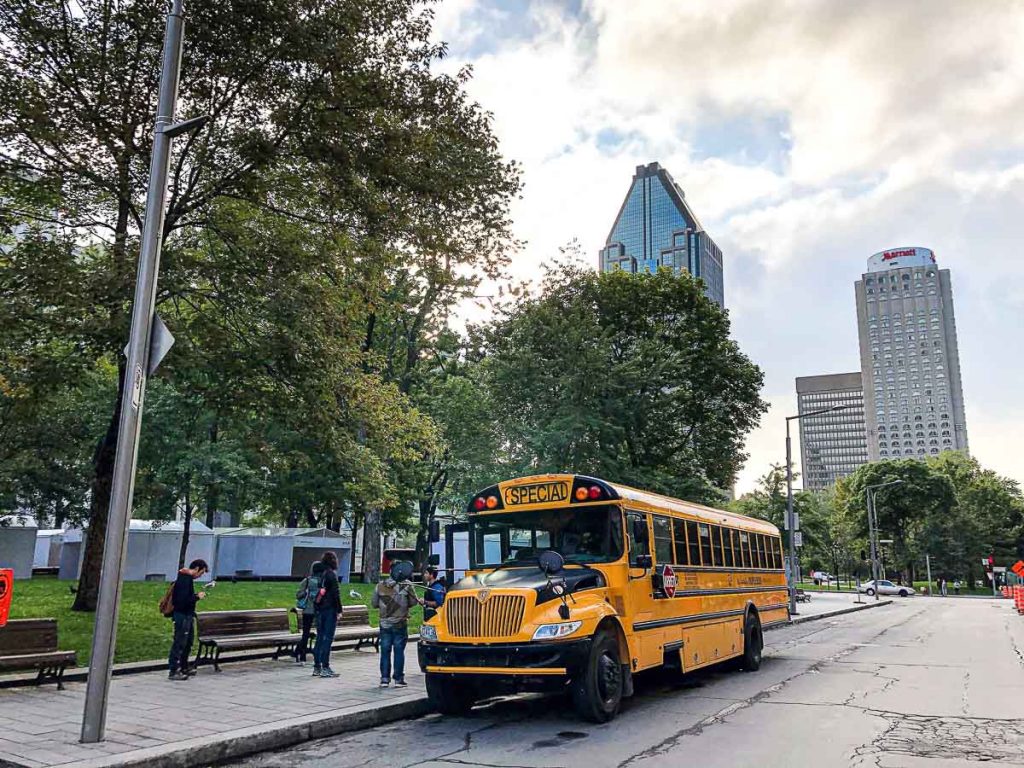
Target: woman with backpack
{"points": [[306, 607], [328, 609]]}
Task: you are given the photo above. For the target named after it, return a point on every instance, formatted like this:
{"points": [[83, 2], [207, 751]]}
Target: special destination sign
{"points": [[536, 493]]}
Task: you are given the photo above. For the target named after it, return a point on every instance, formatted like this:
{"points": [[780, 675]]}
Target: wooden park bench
{"points": [[802, 597], [354, 625], [220, 631], [32, 644]]}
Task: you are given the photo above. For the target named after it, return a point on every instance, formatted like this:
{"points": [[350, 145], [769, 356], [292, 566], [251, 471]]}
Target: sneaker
{"points": [[328, 672], [401, 683], [317, 672], [177, 676], [385, 683]]}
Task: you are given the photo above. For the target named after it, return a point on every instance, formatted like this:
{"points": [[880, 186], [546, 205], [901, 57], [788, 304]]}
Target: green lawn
{"points": [[142, 633]]}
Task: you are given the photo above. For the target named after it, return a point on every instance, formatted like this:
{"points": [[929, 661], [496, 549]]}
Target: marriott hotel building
{"points": [[913, 396]]}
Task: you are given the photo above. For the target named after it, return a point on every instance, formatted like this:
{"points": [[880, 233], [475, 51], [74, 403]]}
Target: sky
{"points": [[807, 135]]}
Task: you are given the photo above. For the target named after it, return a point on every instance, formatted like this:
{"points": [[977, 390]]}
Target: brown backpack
{"points": [[166, 605]]}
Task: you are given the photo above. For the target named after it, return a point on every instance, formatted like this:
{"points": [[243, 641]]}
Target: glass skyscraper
{"points": [[656, 228]]}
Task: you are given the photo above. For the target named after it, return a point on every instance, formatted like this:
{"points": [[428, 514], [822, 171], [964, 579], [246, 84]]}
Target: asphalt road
{"points": [[924, 682]]}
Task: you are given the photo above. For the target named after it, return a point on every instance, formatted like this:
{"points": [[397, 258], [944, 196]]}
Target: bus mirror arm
{"points": [[645, 562]]}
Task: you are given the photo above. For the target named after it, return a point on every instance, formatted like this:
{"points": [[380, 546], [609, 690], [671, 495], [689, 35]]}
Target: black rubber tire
{"points": [[903, 593], [597, 690], [869, 592], [448, 695], [753, 642]]}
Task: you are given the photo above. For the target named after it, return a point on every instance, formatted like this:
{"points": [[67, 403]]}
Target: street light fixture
{"points": [[873, 527], [790, 524]]}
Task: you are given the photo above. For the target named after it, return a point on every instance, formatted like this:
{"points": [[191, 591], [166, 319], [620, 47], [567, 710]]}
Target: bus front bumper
{"points": [[550, 660]]}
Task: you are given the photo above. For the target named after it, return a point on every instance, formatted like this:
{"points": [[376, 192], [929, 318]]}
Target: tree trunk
{"points": [[186, 524], [427, 509], [212, 489], [371, 547], [99, 506]]}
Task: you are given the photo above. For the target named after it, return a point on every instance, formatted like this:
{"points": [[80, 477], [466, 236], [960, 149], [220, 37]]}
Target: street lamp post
{"points": [[790, 522], [147, 343], [873, 527]]}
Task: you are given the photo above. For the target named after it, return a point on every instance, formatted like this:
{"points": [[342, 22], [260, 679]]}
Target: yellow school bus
{"points": [[639, 581]]}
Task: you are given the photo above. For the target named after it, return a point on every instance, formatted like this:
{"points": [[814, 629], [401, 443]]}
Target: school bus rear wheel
{"points": [[597, 688], [753, 642], [448, 696]]}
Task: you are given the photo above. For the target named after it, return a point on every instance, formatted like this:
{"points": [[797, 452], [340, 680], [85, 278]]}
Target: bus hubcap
{"points": [[609, 678]]}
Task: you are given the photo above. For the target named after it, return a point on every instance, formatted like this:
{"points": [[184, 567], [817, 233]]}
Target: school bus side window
{"points": [[693, 541], [716, 543], [705, 543], [727, 545], [744, 548], [759, 541], [777, 546], [682, 555], [662, 539], [635, 548]]}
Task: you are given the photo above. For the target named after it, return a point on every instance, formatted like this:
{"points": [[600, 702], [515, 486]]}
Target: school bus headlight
{"points": [[428, 633], [555, 631]]}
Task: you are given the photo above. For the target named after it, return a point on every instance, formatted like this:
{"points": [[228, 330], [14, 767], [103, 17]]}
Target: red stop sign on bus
{"points": [[668, 581]]}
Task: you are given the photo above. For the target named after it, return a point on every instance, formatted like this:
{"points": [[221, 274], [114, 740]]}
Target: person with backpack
{"points": [[328, 608], [394, 597], [183, 604], [306, 608]]}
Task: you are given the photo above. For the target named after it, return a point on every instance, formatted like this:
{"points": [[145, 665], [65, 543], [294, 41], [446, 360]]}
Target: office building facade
{"points": [[655, 227], [910, 361], [832, 445]]}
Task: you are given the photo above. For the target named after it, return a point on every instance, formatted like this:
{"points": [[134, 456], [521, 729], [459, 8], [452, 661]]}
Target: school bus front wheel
{"points": [[450, 696], [597, 688]]}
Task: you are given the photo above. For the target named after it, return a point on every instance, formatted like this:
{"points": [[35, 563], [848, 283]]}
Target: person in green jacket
{"points": [[394, 597]]}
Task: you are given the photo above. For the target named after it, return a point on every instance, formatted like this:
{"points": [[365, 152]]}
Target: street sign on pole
{"points": [[798, 538]]}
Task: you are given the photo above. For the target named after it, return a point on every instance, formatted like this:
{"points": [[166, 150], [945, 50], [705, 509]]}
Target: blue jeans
{"points": [[326, 623], [393, 639], [181, 646]]}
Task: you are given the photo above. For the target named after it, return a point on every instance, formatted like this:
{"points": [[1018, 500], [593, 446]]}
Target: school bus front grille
{"points": [[498, 616]]}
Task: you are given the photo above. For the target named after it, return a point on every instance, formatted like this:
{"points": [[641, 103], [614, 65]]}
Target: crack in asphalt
{"points": [[973, 739]]}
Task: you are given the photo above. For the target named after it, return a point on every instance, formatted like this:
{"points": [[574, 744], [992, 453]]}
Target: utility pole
{"points": [[871, 538], [928, 568], [148, 342]]}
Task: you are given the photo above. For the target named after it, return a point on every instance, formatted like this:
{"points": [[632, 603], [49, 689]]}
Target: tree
{"points": [[924, 494], [632, 377], [325, 113]]}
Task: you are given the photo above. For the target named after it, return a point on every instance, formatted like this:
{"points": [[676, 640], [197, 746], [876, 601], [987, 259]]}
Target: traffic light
{"points": [[991, 560]]}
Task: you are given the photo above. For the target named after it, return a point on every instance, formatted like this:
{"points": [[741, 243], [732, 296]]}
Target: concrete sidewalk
{"points": [[249, 707]]}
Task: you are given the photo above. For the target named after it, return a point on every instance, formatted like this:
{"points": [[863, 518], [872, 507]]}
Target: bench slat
{"points": [[26, 636]]}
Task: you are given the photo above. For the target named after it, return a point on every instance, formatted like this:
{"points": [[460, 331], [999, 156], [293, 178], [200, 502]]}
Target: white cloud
{"points": [[807, 134]]}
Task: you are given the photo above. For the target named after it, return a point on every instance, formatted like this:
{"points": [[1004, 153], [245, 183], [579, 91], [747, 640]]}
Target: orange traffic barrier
{"points": [[1006, 591], [1018, 598]]}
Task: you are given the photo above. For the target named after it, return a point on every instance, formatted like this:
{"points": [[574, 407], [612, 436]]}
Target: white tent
{"points": [[278, 551], [153, 548], [48, 544], [17, 545]]}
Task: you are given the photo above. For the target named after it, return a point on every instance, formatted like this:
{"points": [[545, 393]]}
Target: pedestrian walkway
{"points": [[247, 707]]}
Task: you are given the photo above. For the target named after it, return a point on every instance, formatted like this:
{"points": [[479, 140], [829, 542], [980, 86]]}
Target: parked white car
{"points": [[885, 588]]}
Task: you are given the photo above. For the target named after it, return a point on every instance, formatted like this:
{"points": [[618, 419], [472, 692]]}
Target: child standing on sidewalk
{"points": [[305, 605]]}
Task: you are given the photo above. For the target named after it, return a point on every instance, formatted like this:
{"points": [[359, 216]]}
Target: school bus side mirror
{"points": [[434, 532], [645, 562]]}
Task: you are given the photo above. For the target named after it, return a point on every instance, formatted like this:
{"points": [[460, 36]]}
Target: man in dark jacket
{"points": [[328, 609], [184, 599]]}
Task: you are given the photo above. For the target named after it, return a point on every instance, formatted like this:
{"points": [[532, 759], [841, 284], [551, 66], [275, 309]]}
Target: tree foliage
{"points": [[630, 377]]}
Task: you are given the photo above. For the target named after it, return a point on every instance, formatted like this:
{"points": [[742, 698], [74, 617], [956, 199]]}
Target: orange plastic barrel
{"points": [[6, 590]]}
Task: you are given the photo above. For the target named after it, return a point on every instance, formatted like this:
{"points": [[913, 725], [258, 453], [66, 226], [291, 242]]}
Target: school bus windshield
{"points": [[580, 535]]}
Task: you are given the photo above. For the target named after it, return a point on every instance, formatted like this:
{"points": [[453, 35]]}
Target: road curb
{"points": [[231, 745], [830, 614]]}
